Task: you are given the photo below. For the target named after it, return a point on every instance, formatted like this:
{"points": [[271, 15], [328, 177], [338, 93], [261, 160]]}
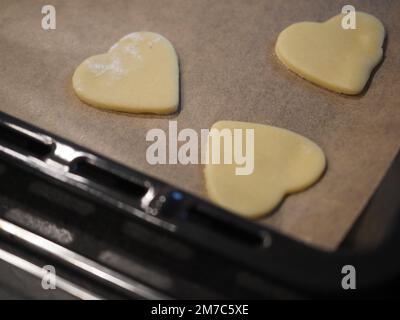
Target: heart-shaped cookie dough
{"points": [[284, 162], [328, 55], [140, 74]]}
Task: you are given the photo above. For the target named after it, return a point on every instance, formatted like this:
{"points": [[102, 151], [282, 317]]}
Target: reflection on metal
{"points": [[79, 261], [147, 199], [37, 136], [56, 165], [46, 228], [37, 271], [67, 153]]}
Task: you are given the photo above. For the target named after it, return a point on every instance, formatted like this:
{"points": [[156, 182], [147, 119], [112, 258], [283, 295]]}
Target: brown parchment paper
{"points": [[228, 72]]}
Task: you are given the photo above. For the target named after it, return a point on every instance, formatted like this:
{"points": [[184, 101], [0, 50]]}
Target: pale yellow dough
{"points": [[330, 56], [140, 74], [284, 163]]}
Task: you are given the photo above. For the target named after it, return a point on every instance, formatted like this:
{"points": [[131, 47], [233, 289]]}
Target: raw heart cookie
{"points": [[140, 73], [333, 57], [284, 163]]}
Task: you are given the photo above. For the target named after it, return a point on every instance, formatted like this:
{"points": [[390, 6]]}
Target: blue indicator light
{"points": [[178, 196]]}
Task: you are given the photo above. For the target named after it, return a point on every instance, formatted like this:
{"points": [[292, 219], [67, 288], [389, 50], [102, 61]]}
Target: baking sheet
{"points": [[228, 72]]}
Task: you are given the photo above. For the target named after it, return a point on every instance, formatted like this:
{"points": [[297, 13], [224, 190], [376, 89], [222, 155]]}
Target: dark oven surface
{"points": [[111, 232]]}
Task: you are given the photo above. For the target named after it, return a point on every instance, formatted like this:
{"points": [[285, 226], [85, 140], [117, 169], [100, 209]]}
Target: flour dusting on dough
{"points": [[116, 45], [140, 73], [134, 50], [115, 67], [133, 36]]}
